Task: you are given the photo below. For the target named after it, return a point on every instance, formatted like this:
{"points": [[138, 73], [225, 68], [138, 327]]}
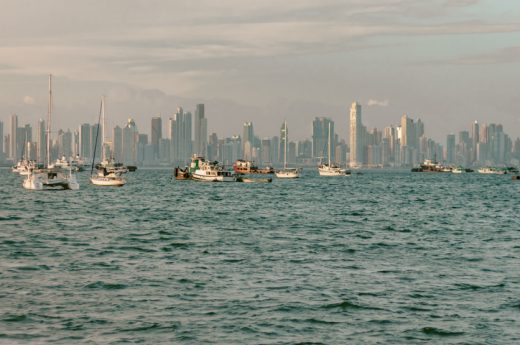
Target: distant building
{"points": [[156, 135], [248, 136], [356, 135], [130, 135], [200, 139], [320, 138]]}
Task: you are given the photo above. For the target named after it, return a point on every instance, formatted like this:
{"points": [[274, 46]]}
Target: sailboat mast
{"points": [[285, 146], [48, 131], [329, 145], [103, 130]]}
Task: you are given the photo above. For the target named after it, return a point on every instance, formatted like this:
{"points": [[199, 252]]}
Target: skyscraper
{"points": [[41, 142], [180, 135], [1, 141], [475, 138], [284, 136], [84, 141], [156, 135], [118, 144], [248, 138], [450, 149], [320, 138], [130, 136], [200, 139], [13, 154], [356, 135]]}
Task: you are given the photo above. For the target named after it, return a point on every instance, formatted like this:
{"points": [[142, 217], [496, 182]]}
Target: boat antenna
{"points": [[97, 135]]}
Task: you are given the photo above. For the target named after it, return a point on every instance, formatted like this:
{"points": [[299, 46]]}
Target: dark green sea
{"points": [[386, 257]]}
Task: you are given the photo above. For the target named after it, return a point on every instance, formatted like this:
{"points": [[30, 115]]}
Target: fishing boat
{"points": [[458, 170], [287, 173], [331, 169], [212, 172], [247, 167], [49, 177], [108, 172]]}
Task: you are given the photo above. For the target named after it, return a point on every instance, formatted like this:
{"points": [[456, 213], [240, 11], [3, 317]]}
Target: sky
{"points": [[448, 62]]}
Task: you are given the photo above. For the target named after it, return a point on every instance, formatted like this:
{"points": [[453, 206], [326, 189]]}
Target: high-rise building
{"points": [[156, 135], [180, 136], [200, 139], [13, 154], [320, 138], [2, 157], [475, 139], [84, 141], [248, 140], [284, 147], [41, 142], [117, 147], [130, 136], [356, 135], [450, 149]]}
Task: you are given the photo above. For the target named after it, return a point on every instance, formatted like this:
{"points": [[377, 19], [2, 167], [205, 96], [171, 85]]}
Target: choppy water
{"points": [[380, 258]]}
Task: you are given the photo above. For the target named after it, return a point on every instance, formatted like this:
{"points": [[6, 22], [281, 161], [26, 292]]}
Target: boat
{"points": [[66, 164], [490, 170], [331, 169], [430, 165], [24, 166], [182, 174], [458, 170], [247, 167], [49, 177], [287, 173], [108, 171], [186, 173], [254, 180], [212, 172]]}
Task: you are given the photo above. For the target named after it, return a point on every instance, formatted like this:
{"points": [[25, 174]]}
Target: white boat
{"points": [[48, 177], [287, 173], [108, 171], [490, 170], [331, 169], [458, 170], [212, 172], [24, 166]]}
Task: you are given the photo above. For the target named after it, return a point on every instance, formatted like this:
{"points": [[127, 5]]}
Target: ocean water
{"points": [[383, 257]]}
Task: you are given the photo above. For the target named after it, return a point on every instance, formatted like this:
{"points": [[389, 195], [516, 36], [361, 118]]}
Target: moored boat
{"points": [[212, 172]]}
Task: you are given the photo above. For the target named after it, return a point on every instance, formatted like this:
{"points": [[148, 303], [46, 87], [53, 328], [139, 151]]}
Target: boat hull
{"points": [[107, 181]]}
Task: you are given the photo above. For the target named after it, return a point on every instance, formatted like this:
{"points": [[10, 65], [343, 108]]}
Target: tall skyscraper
{"points": [[1, 141], [117, 148], [320, 138], [84, 141], [156, 135], [475, 139], [200, 139], [180, 133], [248, 138], [284, 135], [356, 135], [130, 136], [13, 154], [41, 142], [450, 149]]}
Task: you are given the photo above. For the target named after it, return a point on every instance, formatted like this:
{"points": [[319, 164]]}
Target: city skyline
{"points": [[449, 62]]}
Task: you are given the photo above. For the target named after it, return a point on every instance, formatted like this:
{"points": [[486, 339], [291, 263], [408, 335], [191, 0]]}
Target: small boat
{"points": [[458, 170], [24, 166], [490, 170], [107, 180], [182, 174], [254, 180], [515, 177], [287, 173], [247, 167], [212, 172]]}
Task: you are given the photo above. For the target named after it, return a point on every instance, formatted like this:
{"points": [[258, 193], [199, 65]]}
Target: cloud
{"points": [[28, 100], [501, 56], [376, 103]]}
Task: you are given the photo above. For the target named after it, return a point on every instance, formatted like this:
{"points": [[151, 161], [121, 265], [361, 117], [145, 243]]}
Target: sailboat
{"points": [[107, 174], [287, 172], [331, 169], [49, 177]]}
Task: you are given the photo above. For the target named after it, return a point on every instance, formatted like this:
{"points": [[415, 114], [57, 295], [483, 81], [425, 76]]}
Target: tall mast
{"points": [[48, 131], [285, 146], [103, 130], [329, 145]]}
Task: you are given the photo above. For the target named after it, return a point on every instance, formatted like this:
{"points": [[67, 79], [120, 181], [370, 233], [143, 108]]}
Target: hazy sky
{"points": [[449, 62]]}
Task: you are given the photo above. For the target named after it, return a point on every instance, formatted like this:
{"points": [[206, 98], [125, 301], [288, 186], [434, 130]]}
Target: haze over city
{"points": [[447, 62]]}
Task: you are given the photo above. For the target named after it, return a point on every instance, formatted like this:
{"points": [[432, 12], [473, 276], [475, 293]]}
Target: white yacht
{"points": [[48, 177], [287, 173], [24, 166], [108, 171], [331, 169], [212, 172]]}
